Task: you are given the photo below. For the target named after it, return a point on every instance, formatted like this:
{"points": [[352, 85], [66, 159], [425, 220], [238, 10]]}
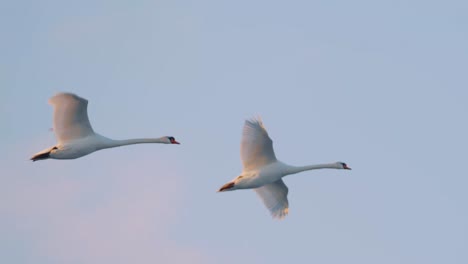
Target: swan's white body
{"points": [[263, 172], [75, 136]]}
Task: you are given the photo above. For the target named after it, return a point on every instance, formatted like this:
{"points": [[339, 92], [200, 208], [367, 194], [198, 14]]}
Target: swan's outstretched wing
{"points": [[70, 117], [275, 198], [256, 145]]}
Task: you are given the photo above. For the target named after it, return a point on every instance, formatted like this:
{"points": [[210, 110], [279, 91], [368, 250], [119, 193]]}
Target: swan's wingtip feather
{"points": [[255, 121], [65, 95], [280, 214]]}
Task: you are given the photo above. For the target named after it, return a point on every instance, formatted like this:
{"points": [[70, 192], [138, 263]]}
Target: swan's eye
{"points": [[171, 138]]}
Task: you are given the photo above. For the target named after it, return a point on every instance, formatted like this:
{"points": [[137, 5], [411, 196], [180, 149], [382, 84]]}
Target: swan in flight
{"points": [[263, 172], [75, 135]]}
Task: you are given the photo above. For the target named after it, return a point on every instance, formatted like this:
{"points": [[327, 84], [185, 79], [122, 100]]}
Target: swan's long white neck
{"points": [[297, 169], [112, 143]]}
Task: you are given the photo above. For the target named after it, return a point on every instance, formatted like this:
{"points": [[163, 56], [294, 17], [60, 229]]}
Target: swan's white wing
{"points": [[70, 117], [275, 197], [256, 145]]}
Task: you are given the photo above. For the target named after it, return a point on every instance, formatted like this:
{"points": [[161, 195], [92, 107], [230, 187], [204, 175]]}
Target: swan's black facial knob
{"points": [[345, 166], [172, 140]]}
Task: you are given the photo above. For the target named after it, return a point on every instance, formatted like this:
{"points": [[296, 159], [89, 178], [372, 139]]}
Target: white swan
{"points": [[263, 172], [75, 135]]}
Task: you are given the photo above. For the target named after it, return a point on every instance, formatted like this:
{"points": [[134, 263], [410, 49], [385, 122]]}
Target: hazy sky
{"points": [[380, 85]]}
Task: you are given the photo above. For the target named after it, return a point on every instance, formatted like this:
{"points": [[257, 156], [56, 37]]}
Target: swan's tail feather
{"points": [[41, 156], [45, 154]]}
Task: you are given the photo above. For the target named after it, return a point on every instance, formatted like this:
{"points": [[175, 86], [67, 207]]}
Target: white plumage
{"points": [[70, 117], [263, 172], [75, 136], [256, 145]]}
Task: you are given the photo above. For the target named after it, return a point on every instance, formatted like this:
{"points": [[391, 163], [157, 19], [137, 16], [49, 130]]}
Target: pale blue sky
{"points": [[380, 85]]}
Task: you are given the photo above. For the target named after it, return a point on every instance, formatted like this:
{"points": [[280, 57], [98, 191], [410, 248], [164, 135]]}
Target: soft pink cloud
{"points": [[68, 219]]}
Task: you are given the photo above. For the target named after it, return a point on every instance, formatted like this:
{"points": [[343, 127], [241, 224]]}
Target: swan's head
{"points": [[240, 182], [342, 165], [171, 140]]}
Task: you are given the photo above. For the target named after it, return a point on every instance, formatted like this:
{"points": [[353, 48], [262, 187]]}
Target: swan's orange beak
{"points": [[346, 167], [174, 142], [226, 186]]}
